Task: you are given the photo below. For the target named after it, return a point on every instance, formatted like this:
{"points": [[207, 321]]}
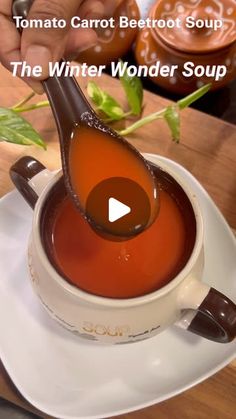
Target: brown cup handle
{"points": [[22, 174], [215, 318], [207, 312]]}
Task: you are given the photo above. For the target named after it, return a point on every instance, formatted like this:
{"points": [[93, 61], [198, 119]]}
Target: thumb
{"points": [[39, 46]]}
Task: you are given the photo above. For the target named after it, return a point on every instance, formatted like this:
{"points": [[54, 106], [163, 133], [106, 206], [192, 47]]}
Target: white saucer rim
{"points": [[141, 406]]}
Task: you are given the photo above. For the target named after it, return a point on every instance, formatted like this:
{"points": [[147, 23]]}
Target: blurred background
{"points": [[203, 46]]}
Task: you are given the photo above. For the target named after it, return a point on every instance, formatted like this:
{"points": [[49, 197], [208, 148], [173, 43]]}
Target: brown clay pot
{"points": [[113, 43], [202, 46]]}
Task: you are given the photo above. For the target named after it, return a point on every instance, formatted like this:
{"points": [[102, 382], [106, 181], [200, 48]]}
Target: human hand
{"points": [[40, 46]]}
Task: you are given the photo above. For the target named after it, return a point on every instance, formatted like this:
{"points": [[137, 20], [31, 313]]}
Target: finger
{"points": [[36, 86], [9, 42], [79, 40], [40, 46], [5, 7], [110, 6], [91, 9], [10, 50]]}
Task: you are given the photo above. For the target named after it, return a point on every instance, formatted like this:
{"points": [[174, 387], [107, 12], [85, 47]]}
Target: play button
{"points": [[117, 210]]}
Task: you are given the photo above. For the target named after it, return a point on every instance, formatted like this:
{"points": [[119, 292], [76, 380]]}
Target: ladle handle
{"points": [[67, 101], [65, 96], [21, 7]]}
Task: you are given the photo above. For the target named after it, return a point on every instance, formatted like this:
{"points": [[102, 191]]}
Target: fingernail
{"points": [[74, 55], [86, 47], [37, 87], [39, 55]]}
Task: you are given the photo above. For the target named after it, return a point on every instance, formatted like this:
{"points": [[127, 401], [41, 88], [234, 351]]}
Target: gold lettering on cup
{"points": [[102, 330], [88, 327]]}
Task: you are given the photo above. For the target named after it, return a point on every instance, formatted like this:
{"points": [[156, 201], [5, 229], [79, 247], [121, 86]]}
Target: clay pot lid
{"points": [[196, 40]]}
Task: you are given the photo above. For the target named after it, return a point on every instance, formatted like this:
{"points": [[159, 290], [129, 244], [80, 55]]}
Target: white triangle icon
{"points": [[117, 210]]}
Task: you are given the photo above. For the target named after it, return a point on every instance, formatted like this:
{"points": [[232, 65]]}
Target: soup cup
{"points": [[184, 301]]}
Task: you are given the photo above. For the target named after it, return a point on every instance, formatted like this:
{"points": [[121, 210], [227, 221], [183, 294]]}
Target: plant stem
{"points": [[127, 114], [146, 120], [181, 104], [193, 97], [110, 120], [39, 105], [24, 101]]}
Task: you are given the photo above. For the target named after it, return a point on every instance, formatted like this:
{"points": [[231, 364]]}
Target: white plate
{"points": [[67, 377]]}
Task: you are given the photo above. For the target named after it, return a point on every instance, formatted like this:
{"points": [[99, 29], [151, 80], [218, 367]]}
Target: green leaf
{"points": [[172, 118], [95, 93], [134, 91], [15, 129], [105, 103], [188, 100]]}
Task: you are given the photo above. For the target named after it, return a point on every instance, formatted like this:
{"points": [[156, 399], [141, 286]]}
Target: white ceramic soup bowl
{"points": [[185, 301]]}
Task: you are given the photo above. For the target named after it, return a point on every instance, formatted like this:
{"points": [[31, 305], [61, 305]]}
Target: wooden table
{"points": [[208, 150]]}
